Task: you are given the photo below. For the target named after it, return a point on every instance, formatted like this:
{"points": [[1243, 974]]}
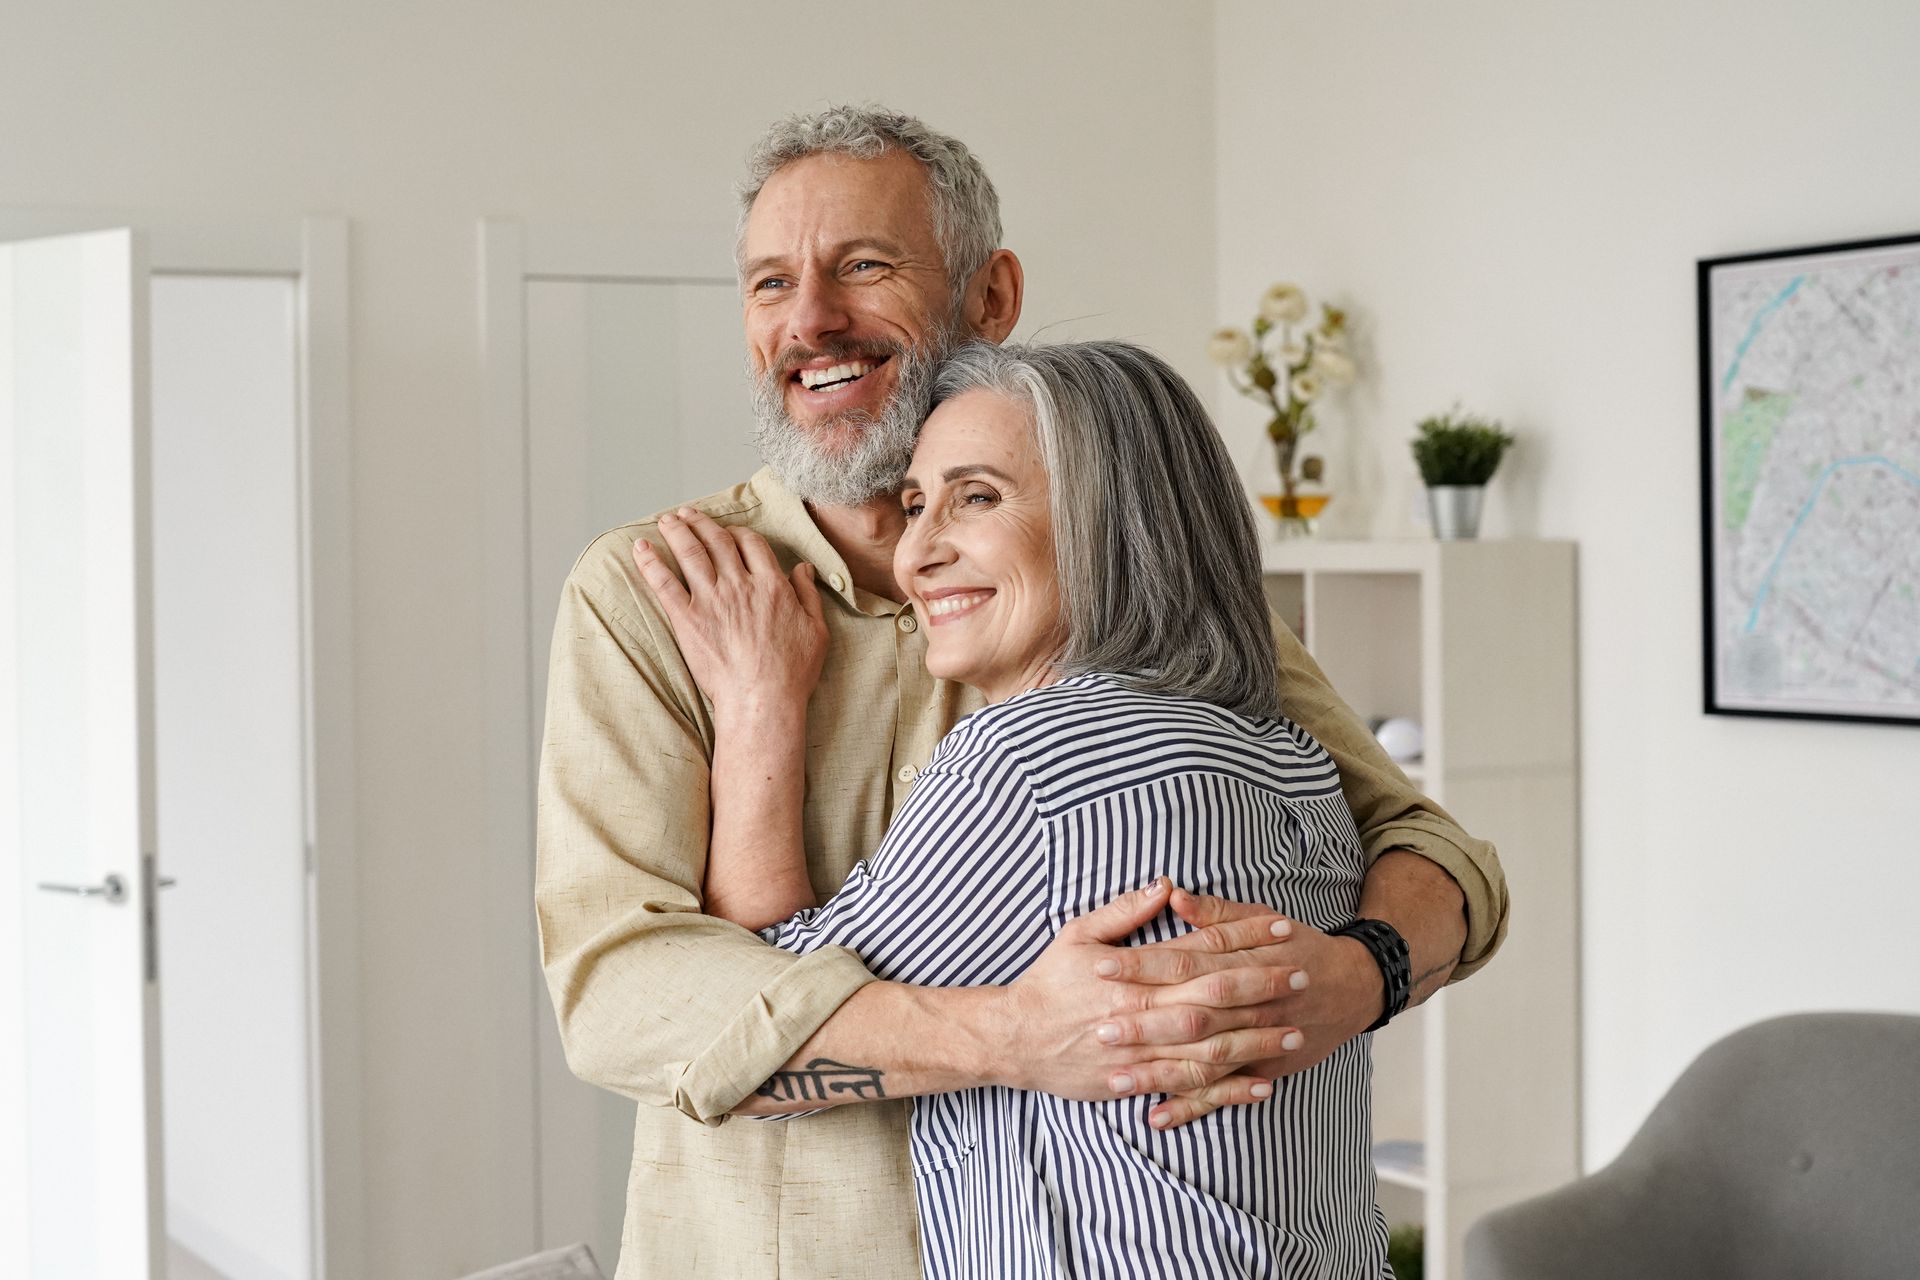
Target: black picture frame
{"points": [[1746, 693]]}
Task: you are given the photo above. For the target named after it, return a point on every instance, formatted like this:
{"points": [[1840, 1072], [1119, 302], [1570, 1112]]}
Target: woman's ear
{"points": [[993, 297]]}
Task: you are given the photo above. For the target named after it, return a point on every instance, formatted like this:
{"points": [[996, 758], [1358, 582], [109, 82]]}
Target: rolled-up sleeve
{"points": [[1388, 810], [654, 999]]}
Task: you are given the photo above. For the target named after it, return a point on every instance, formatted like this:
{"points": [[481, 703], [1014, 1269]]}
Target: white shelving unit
{"points": [[1476, 1092]]}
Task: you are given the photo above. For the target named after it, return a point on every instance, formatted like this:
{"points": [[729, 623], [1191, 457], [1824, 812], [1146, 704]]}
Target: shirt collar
{"points": [[788, 521]]}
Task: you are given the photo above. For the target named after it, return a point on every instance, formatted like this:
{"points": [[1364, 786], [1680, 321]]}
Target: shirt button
{"points": [[837, 582], [907, 773], [907, 623]]}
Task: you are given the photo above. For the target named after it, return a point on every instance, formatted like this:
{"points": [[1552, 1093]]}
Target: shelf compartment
{"points": [[1401, 1162], [1364, 629]]}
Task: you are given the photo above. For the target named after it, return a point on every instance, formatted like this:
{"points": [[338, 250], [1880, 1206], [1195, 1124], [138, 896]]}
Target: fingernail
{"points": [[1281, 928], [667, 517], [686, 513], [1262, 1090], [1155, 887], [1108, 1033], [1122, 1083], [1299, 980], [1159, 1119], [1292, 1040], [1107, 968]]}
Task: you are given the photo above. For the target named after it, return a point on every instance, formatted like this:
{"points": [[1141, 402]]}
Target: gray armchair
{"points": [[1788, 1151]]}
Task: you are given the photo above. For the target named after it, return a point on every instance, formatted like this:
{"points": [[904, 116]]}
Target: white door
{"points": [[79, 1001]]}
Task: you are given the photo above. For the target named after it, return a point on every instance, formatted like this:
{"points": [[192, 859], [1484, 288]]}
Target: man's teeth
{"points": [[815, 379], [953, 604]]}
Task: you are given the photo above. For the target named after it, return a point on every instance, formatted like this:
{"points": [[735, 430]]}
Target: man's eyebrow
{"points": [[754, 268], [885, 248]]}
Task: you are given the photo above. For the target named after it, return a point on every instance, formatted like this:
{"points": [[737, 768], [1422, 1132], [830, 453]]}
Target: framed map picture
{"points": [[1810, 481]]}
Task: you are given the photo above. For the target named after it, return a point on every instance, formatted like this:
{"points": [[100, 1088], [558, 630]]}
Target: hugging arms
{"points": [[1203, 1017]]}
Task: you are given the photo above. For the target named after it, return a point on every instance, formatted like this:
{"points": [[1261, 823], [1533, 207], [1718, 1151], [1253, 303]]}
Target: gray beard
{"points": [[863, 455]]}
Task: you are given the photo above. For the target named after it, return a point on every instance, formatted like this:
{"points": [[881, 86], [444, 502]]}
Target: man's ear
{"points": [[993, 297]]}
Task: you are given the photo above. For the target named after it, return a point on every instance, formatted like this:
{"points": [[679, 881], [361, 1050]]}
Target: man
{"points": [[868, 245]]}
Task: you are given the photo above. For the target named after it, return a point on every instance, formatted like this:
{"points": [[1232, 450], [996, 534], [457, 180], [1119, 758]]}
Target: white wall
{"points": [[1511, 197], [413, 119]]}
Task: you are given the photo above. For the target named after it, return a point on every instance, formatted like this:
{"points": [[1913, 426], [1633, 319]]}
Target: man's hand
{"points": [[1074, 1027], [751, 634]]}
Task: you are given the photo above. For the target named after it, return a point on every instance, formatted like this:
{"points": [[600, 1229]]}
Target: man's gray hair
{"points": [[966, 209], [1158, 557]]}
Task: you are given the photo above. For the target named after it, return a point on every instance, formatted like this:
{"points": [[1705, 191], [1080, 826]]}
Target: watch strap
{"points": [[1389, 951]]}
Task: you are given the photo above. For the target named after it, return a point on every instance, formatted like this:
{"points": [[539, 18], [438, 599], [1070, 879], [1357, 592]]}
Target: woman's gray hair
{"points": [[1158, 557], [966, 209]]}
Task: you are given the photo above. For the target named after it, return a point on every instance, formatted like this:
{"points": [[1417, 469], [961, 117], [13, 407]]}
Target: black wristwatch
{"points": [[1390, 953]]}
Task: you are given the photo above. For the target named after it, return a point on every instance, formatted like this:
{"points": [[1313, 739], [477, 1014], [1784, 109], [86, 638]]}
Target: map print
{"points": [[1812, 433]]}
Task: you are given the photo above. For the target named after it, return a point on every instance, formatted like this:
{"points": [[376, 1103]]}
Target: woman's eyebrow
{"points": [[960, 473], [973, 469]]}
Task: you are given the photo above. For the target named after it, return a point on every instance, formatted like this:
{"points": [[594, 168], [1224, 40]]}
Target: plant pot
{"points": [[1455, 509]]}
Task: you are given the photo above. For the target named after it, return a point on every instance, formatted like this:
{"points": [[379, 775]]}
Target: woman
{"points": [[1078, 547]]}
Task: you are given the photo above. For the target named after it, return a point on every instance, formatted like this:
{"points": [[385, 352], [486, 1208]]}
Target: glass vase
{"points": [[1298, 516]]}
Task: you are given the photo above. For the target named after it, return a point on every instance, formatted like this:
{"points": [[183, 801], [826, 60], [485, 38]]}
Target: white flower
{"points": [[1334, 365], [1292, 353], [1305, 387], [1230, 347], [1284, 304]]}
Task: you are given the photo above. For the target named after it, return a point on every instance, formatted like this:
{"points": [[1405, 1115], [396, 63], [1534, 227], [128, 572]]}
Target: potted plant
{"points": [[1406, 1252], [1457, 453], [1287, 365]]}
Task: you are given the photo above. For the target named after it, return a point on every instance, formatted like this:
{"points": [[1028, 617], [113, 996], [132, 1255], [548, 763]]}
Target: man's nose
{"points": [[820, 310]]}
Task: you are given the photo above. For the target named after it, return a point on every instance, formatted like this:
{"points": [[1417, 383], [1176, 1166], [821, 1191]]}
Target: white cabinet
{"points": [[1476, 1092]]}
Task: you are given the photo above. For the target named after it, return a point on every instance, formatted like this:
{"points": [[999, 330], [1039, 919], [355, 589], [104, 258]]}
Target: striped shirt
{"points": [[1040, 809]]}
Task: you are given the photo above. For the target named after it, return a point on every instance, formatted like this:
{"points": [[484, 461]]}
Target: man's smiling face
{"points": [[848, 309]]}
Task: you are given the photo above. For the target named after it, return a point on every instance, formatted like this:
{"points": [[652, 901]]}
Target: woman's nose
{"points": [[924, 547]]}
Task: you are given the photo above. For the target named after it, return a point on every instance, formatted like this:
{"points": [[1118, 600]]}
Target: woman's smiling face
{"points": [[977, 556]]}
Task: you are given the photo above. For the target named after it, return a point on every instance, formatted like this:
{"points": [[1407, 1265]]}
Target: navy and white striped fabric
{"points": [[1040, 809]]}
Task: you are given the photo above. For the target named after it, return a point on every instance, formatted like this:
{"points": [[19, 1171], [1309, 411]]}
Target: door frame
{"points": [[513, 254], [313, 252]]}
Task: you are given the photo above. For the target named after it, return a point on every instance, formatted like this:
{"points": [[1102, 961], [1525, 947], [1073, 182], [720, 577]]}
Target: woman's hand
{"points": [[1233, 944], [1068, 1028], [751, 635]]}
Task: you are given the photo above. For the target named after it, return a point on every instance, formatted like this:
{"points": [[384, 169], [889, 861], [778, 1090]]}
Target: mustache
{"points": [[791, 358]]}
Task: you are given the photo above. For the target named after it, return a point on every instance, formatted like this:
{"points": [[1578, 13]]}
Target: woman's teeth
{"points": [[954, 604], [820, 379]]}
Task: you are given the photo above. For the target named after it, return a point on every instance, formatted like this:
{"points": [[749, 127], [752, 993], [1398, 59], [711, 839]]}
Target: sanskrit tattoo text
{"points": [[824, 1080]]}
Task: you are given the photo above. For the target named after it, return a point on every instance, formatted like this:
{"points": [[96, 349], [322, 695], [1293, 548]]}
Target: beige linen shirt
{"points": [[689, 1014]]}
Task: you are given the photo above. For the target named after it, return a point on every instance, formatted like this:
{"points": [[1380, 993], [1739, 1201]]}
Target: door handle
{"points": [[112, 889]]}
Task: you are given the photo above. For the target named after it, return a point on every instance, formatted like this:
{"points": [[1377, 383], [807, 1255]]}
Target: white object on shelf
{"points": [[1400, 737], [1476, 642]]}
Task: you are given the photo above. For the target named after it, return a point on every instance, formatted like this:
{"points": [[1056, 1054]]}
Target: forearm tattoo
{"points": [[821, 1078]]}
